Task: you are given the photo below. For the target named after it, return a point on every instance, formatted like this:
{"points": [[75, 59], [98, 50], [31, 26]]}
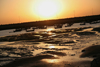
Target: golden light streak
{"points": [[50, 29], [51, 60], [51, 46]]}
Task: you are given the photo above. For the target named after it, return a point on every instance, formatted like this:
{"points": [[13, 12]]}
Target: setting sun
{"points": [[47, 8]]}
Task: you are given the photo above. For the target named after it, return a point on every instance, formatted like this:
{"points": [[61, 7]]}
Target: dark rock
{"points": [[95, 62], [96, 29], [85, 33], [91, 51]]}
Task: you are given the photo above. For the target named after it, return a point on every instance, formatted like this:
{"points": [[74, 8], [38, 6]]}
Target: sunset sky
{"points": [[15, 11]]}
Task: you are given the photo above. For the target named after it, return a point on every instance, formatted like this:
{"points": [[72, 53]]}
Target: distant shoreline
{"points": [[70, 21]]}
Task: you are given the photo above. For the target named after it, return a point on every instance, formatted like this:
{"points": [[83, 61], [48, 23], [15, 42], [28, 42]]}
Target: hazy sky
{"points": [[15, 11]]}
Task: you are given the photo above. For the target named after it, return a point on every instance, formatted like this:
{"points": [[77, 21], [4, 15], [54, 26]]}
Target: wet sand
{"points": [[48, 49]]}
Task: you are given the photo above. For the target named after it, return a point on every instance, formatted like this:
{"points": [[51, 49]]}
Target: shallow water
{"points": [[10, 32], [66, 48]]}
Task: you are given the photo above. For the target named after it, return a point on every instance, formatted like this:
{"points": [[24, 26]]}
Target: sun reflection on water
{"points": [[55, 55], [50, 29], [51, 60], [51, 46], [50, 32]]}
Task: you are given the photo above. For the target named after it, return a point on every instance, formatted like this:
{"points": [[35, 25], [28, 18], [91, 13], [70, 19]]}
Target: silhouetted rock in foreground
{"points": [[92, 51]]}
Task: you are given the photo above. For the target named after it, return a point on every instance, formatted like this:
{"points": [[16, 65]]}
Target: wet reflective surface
{"points": [[51, 48]]}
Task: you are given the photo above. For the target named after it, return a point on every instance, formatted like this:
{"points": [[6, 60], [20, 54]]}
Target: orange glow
{"points": [[51, 60], [17, 11], [47, 9]]}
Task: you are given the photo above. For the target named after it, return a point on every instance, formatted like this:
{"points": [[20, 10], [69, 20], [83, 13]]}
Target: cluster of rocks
{"points": [[26, 36], [15, 52]]}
